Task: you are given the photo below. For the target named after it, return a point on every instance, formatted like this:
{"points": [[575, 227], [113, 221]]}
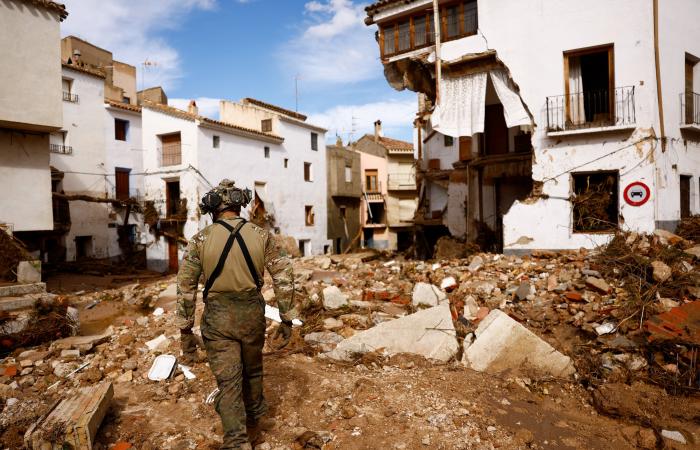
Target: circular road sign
{"points": [[637, 193]]}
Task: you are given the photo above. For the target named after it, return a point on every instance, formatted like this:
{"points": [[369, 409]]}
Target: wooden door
{"points": [[172, 256], [495, 131], [685, 196], [689, 106], [465, 148], [122, 183]]}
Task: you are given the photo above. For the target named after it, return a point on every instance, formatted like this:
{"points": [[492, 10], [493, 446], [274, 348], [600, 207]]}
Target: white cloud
{"points": [[335, 46], [130, 30], [208, 107], [396, 116]]}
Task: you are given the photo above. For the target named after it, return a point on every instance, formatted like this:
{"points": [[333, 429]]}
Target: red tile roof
{"points": [[190, 116], [275, 108], [85, 69], [392, 144], [52, 6], [125, 106]]}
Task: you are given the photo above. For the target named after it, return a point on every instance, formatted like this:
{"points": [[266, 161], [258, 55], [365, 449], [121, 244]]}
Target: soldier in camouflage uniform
{"points": [[233, 323]]}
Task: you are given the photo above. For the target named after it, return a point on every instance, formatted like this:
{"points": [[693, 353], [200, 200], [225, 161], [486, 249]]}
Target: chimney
{"points": [[192, 108], [377, 130]]}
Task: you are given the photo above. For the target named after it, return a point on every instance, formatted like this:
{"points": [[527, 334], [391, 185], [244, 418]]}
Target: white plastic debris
{"points": [[273, 313], [162, 368], [154, 344], [674, 436], [186, 372], [158, 311], [606, 328], [436, 266], [212, 396], [448, 283], [389, 263]]}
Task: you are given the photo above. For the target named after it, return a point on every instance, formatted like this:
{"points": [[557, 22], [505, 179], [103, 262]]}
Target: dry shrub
{"points": [[11, 253], [689, 229]]}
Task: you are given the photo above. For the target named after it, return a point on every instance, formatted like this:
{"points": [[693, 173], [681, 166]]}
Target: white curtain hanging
{"points": [[462, 105], [513, 109], [577, 110]]}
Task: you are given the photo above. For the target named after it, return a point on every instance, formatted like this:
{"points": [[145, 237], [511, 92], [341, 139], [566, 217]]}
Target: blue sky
{"points": [[212, 49]]}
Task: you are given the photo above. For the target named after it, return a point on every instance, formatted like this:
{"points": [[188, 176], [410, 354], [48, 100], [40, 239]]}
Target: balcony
{"points": [[68, 97], [171, 154], [61, 149], [591, 111], [402, 182], [690, 111]]}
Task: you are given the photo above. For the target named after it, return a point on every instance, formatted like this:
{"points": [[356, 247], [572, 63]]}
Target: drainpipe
{"points": [[438, 61], [658, 76]]}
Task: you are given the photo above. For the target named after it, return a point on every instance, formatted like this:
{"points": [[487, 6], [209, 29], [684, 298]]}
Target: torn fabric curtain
{"points": [[463, 103], [261, 192]]}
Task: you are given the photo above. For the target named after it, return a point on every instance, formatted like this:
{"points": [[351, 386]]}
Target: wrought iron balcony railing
{"points": [[690, 108], [68, 97], [62, 149], [591, 109]]}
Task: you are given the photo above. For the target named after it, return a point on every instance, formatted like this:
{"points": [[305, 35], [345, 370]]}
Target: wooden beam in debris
{"points": [[179, 239], [73, 422], [88, 198]]}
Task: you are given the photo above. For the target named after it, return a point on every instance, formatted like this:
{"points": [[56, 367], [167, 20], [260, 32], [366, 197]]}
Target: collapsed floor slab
{"points": [[429, 333], [503, 344]]}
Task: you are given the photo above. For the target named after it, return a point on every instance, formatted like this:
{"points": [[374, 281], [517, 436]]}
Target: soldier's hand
{"points": [[283, 334], [188, 342]]}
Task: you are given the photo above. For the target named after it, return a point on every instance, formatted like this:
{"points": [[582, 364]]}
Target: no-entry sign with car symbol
{"points": [[637, 193]]}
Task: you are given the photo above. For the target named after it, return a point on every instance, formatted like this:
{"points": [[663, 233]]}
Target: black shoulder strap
{"points": [[224, 254], [249, 261]]}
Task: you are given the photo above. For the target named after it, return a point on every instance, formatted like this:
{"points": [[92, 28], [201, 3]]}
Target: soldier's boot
{"points": [[256, 427]]}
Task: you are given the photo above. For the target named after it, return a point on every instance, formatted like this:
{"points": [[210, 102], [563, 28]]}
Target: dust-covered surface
{"points": [[630, 384]]}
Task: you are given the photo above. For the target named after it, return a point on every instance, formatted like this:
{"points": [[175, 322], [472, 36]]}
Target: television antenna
{"points": [[297, 77], [145, 66]]}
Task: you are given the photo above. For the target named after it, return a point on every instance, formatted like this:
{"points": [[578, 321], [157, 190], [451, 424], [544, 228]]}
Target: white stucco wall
{"points": [[25, 196], [30, 90]]}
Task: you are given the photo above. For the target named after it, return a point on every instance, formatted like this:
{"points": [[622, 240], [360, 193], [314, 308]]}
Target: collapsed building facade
{"points": [[548, 127]]}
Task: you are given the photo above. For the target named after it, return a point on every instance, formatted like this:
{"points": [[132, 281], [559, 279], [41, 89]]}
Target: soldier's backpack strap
{"points": [[224, 254]]}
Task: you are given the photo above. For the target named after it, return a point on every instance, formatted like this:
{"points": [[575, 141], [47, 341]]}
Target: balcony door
{"points": [[589, 79]]}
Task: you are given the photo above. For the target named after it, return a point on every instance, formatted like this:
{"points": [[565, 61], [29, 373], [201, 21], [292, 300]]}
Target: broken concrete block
{"points": [[29, 272], [327, 340], [475, 264], [427, 295], [331, 323], [429, 333], [523, 291], [72, 423], [503, 344], [598, 284], [695, 251], [17, 290], [471, 308], [333, 298], [70, 354], [448, 284], [84, 343], [666, 237], [661, 272], [159, 343]]}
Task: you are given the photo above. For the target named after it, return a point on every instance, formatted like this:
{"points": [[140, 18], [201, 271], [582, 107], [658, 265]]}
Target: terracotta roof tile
{"points": [[392, 144], [52, 6], [85, 69], [275, 108], [190, 116], [125, 106]]}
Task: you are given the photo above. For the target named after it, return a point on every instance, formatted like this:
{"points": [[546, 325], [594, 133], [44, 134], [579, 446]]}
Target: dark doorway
{"points": [[495, 131], [172, 197], [173, 263], [685, 196], [404, 240], [83, 247], [368, 234], [508, 190]]}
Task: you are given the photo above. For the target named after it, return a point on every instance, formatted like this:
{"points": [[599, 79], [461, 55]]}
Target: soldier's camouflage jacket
{"points": [[203, 253]]}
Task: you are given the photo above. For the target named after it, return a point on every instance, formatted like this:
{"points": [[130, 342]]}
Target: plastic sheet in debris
{"points": [[162, 368], [186, 372], [273, 313]]}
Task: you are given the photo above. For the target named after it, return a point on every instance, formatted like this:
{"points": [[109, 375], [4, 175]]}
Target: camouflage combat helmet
{"points": [[224, 196]]}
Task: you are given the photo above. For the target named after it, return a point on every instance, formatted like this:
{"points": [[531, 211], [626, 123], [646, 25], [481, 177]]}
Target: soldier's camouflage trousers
{"points": [[233, 330]]}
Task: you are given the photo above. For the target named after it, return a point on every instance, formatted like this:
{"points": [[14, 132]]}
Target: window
{"points": [[83, 247], [308, 176], [589, 86], [126, 100], [348, 174], [459, 19], [286, 162], [309, 212], [121, 181], [171, 149], [371, 180], [68, 95], [449, 141], [121, 129], [692, 99], [267, 152], [685, 196], [215, 141], [314, 141], [266, 125], [595, 202]]}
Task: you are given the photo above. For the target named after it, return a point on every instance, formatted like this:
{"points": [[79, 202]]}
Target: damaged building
{"points": [[343, 196], [548, 137]]}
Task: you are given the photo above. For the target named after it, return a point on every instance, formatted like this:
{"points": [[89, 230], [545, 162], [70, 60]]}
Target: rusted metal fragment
{"points": [[680, 324]]}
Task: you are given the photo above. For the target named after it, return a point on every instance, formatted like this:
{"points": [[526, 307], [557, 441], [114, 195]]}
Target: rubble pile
{"points": [[587, 325], [11, 253]]}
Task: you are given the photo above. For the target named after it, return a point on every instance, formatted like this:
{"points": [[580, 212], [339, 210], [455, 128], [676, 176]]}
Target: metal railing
{"points": [[171, 154], [591, 109], [62, 149], [690, 108], [401, 181], [68, 97]]}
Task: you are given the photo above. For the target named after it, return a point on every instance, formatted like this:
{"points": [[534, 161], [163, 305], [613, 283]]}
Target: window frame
{"points": [[126, 129], [309, 216], [617, 198], [216, 141], [314, 141], [266, 125], [372, 173], [610, 48], [308, 172]]}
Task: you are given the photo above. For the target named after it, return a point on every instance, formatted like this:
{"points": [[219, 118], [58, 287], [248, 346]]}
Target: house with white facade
{"points": [[549, 126], [277, 156], [30, 109]]}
